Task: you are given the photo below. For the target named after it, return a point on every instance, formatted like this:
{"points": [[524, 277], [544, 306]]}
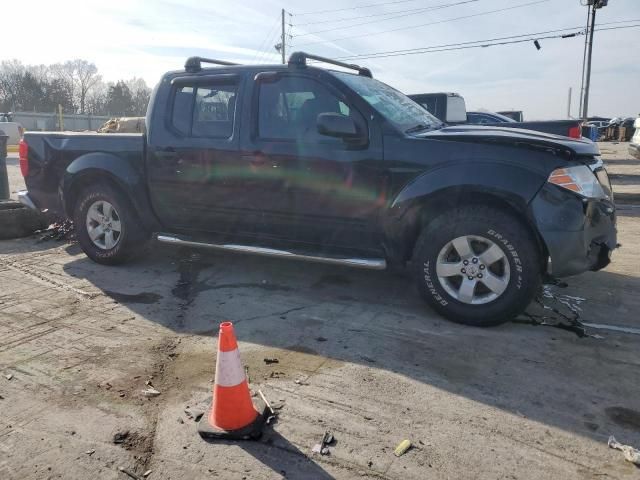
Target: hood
{"points": [[513, 136]]}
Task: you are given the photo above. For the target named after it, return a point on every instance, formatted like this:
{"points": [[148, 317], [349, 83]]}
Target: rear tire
{"points": [[478, 266], [107, 226]]}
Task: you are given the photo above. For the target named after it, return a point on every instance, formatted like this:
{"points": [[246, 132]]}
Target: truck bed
{"points": [[52, 155]]}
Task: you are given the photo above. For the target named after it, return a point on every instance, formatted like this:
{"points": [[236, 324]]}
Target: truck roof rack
{"points": [[299, 59], [194, 64]]}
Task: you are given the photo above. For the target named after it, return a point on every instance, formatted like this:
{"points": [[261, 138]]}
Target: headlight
{"points": [[579, 179]]}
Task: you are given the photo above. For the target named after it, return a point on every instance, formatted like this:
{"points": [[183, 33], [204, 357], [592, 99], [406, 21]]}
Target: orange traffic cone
{"points": [[232, 413]]}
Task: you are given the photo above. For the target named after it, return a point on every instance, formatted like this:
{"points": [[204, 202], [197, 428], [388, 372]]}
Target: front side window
{"points": [[204, 110], [288, 109]]}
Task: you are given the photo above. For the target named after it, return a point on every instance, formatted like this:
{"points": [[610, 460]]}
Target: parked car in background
{"points": [[487, 118], [301, 162], [13, 130], [516, 115], [634, 146], [449, 108]]}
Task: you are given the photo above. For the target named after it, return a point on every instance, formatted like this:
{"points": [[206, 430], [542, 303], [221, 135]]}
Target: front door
{"points": [[334, 189]]}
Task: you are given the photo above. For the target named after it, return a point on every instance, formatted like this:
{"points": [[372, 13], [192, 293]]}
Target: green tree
{"points": [[119, 99]]}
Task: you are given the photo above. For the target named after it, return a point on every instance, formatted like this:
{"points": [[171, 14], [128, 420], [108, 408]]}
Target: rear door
{"points": [[199, 179]]}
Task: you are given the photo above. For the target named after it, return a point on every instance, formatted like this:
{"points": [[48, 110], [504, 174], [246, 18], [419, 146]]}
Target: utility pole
{"points": [[595, 5], [283, 40], [584, 62], [569, 104]]}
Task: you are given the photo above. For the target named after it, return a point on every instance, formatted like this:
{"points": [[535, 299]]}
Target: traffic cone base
{"points": [[251, 431]]}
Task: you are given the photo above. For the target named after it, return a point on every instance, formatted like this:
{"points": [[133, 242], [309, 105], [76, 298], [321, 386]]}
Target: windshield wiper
{"points": [[417, 128]]}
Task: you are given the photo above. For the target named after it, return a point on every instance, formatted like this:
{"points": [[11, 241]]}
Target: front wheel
{"points": [[107, 226], [478, 266]]}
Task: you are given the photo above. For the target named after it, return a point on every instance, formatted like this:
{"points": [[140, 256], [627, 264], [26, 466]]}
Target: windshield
{"points": [[395, 106]]}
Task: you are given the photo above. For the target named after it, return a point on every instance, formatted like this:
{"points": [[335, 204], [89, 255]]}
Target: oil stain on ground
{"points": [[146, 298], [625, 417]]}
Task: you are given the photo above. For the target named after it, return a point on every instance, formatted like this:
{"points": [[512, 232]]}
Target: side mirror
{"points": [[336, 125]]}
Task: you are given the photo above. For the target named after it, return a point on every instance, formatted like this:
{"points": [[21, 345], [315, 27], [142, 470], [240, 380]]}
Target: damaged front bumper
{"points": [[579, 233]]}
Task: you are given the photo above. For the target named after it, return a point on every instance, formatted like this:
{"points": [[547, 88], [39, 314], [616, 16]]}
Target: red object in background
{"points": [[23, 150], [575, 132]]}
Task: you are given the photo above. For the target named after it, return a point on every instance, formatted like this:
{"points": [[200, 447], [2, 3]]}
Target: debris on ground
{"points": [[195, 414], [120, 437], [150, 392], [58, 231], [630, 454], [9, 377], [146, 474], [323, 447], [90, 452], [272, 414], [270, 361], [554, 302], [402, 448], [129, 473]]}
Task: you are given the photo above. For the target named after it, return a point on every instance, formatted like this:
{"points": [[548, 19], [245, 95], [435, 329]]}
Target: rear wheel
{"points": [[478, 266], [107, 226]]}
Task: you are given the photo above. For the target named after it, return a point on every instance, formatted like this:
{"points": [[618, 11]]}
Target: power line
{"points": [[477, 44], [426, 24], [373, 54], [353, 8], [396, 14], [260, 51]]}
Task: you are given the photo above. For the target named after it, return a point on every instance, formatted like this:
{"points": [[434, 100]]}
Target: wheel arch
{"points": [[118, 173], [419, 211]]}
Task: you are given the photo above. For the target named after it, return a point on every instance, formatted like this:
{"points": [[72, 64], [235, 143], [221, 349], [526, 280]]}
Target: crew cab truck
{"points": [[302, 162]]}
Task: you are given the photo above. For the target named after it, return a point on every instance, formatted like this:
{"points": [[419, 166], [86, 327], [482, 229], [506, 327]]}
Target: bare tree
{"points": [[80, 76], [86, 76], [11, 75]]}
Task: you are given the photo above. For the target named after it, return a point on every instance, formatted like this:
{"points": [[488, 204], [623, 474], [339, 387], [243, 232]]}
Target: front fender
{"points": [[505, 179], [112, 168], [428, 195]]}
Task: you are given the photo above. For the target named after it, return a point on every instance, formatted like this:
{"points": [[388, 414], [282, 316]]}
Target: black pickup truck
{"points": [[301, 162]]}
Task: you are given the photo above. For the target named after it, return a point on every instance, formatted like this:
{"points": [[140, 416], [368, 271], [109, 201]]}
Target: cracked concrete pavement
{"points": [[358, 353]]}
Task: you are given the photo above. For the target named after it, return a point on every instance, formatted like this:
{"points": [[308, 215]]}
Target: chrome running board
{"points": [[369, 263]]}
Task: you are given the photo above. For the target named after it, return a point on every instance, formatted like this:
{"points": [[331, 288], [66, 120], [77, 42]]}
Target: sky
{"points": [[145, 38]]}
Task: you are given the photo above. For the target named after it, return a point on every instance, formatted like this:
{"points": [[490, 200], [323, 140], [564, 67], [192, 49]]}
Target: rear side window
{"points": [[204, 110]]}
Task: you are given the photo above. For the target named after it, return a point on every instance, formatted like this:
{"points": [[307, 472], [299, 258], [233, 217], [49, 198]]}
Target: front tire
{"points": [[477, 266], [107, 226]]}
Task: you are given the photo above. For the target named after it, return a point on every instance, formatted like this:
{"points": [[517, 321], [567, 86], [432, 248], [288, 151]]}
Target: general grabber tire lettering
{"points": [[107, 226], [477, 265]]}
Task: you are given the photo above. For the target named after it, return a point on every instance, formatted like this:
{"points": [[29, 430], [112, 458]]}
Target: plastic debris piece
{"points": [[9, 377], [147, 473], [90, 452], [269, 361], [402, 448], [630, 454], [266, 402], [150, 392]]}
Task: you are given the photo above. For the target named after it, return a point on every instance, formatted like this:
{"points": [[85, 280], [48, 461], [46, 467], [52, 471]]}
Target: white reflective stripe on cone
{"points": [[229, 371]]}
